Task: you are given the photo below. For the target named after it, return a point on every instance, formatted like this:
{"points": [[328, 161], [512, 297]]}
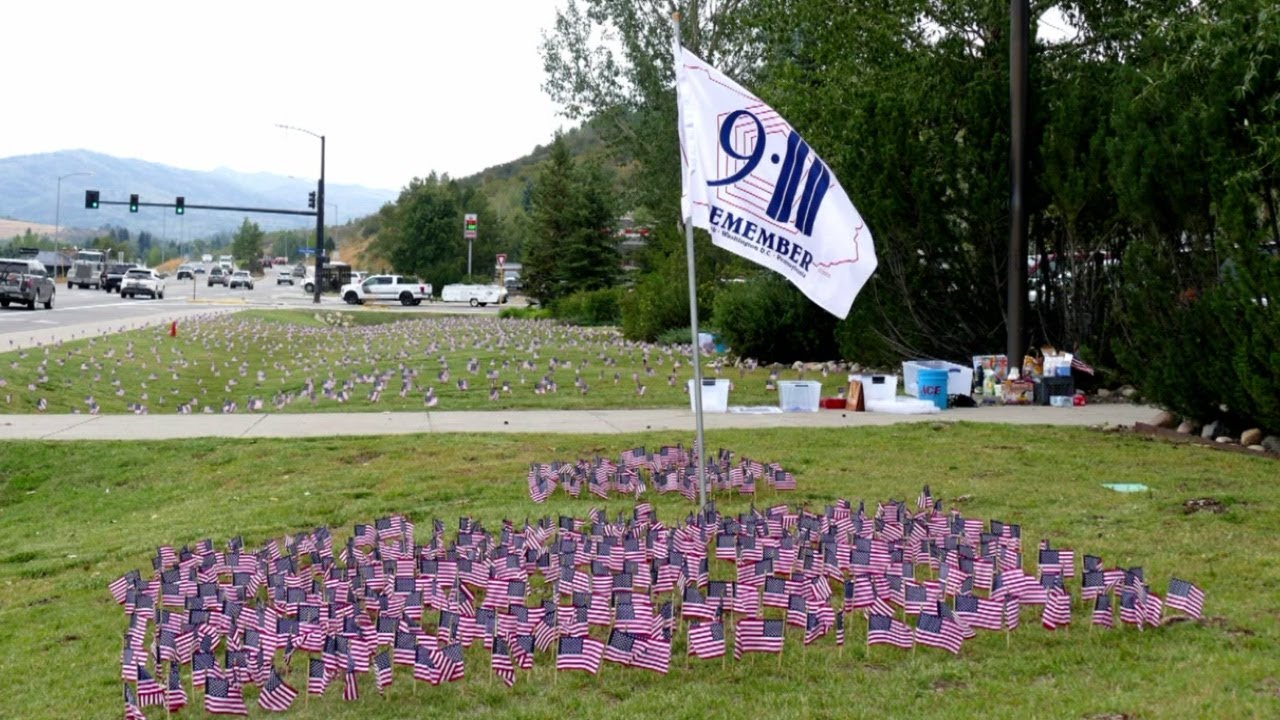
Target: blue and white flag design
{"points": [[752, 182]]}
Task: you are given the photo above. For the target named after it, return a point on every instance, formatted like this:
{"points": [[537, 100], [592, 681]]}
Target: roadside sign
{"points": [[502, 258], [307, 251], [469, 225]]}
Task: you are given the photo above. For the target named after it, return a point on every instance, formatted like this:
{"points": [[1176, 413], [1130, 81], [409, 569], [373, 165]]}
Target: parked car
{"points": [[26, 282], [142, 281], [114, 274], [240, 278], [217, 276], [186, 272]]}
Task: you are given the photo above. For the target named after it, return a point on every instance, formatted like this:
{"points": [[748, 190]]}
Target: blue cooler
{"points": [[933, 387]]}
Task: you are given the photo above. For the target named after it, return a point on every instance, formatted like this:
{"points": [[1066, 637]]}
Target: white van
{"points": [[474, 294]]}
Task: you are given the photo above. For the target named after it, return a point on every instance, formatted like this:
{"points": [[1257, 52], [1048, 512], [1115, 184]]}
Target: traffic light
{"points": [[133, 203], [180, 205], [91, 199], [311, 199]]}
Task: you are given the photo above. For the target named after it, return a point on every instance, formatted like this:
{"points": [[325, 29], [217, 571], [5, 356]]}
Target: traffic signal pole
{"points": [[191, 206], [319, 227]]}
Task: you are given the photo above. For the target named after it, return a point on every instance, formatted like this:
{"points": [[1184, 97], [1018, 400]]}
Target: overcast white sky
{"points": [[399, 88]]}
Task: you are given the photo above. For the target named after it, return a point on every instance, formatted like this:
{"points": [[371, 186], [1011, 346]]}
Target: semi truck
{"points": [[87, 270]]}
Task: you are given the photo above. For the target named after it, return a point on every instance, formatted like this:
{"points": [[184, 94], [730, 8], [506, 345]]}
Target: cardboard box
{"points": [[854, 400], [1018, 392]]}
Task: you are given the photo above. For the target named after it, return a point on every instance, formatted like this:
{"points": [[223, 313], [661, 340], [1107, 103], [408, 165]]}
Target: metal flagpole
{"points": [[696, 390]]}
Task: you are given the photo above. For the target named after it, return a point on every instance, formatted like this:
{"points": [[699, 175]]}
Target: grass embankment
{"points": [[271, 354], [75, 516]]}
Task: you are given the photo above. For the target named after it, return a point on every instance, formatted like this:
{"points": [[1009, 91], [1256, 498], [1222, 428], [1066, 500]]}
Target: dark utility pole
{"points": [[1019, 29], [319, 227]]}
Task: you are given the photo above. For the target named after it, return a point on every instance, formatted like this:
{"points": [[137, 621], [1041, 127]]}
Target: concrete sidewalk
{"points": [[173, 426]]}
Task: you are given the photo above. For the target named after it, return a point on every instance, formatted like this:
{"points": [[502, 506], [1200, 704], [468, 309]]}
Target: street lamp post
{"points": [[57, 218], [319, 213]]}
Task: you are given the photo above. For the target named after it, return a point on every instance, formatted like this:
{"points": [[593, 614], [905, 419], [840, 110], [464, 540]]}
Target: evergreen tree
{"points": [[246, 246], [571, 247]]}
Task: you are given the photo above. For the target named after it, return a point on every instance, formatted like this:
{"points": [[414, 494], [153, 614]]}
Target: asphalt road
{"points": [[79, 313]]}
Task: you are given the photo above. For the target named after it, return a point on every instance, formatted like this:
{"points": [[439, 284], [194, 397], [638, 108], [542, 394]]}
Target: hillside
{"points": [[28, 192], [505, 185]]}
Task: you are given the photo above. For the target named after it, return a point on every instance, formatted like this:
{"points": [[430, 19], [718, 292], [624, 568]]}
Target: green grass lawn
{"points": [[270, 355], [74, 516]]}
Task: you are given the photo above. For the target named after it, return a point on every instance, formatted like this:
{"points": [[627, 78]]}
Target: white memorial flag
{"points": [[752, 182]]}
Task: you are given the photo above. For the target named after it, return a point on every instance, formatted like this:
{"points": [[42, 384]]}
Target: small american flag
{"points": [[814, 628], [451, 662], [501, 661], [149, 691], [317, 677], [980, 612], [758, 636], [1012, 614], [1130, 608], [936, 631], [579, 653], [350, 688], [1186, 597], [223, 697], [706, 640], [382, 666], [276, 695], [886, 630], [1057, 609], [1082, 366], [1102, 611], [175, 694]]}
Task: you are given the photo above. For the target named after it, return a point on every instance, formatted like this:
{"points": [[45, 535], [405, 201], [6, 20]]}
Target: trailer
{"points": [[480, 295]]}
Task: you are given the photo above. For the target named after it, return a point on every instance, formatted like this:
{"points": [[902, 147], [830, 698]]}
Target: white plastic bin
{"points": [[799, 395], [715, 396], [959, 377], [877, 388]]}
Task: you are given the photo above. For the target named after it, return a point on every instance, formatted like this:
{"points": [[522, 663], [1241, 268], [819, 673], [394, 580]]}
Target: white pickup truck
{"points": [[382, 288]]}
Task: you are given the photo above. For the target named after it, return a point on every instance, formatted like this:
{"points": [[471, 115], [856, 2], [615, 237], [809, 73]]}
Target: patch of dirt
{"points": [[961, 499], [70, 638], [1204, 504], [1270, 686], [940, 686], [1109, 716], [361, 458]]}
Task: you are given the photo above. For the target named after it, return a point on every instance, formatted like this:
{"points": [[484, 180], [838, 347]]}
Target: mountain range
{"points": [[29, 192]]}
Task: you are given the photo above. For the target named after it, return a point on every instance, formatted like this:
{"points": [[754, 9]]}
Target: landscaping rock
{"points": [[1271, 443], [1104, 393], [1186, 427], [1213, 429], [1252, 436], [1224, 439], [1129, 392], [1165, 419], [1257, 448]]}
